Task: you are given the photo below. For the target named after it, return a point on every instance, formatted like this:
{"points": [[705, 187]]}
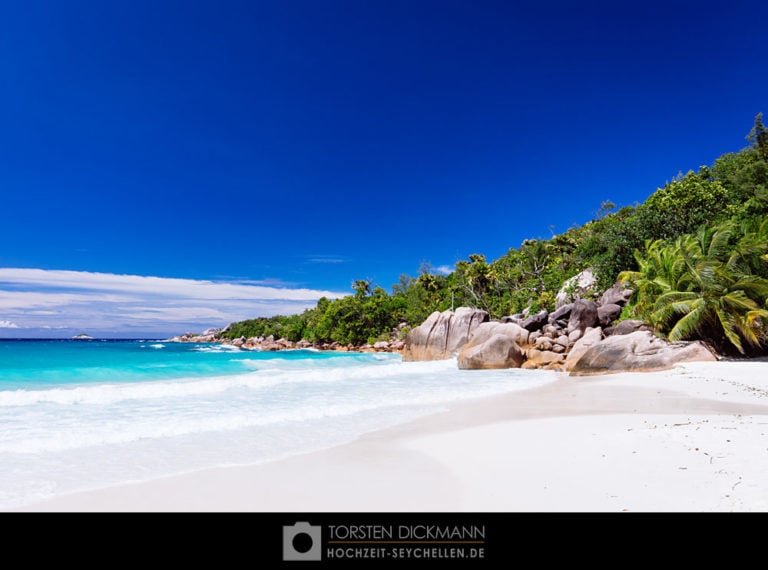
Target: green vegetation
{"points": [[365, 317], [702, 273], [711, 285]]}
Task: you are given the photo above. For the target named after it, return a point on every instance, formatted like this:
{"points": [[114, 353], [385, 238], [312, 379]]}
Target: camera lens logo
{"points": [[302, 542]]}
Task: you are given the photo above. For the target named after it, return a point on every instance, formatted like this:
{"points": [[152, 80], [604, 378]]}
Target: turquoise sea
{"points": [[78, 415]]}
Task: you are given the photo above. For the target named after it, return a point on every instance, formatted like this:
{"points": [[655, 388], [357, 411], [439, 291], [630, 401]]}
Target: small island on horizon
{"points": [[82, 336]]}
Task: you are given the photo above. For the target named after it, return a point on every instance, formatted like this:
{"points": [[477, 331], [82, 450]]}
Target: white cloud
{"points": [[444, 269], [105, 301], [10, 300], [138, 284], [326, 260], [269, 282], [8, 325]]}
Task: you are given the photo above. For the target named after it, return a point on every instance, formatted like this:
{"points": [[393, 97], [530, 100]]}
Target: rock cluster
{"points": [[270, 344], [192, 337], [578, 336]]}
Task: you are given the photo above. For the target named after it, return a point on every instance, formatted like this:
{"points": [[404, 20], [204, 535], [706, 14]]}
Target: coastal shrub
{"points": [[627, 313], [682, 206]]}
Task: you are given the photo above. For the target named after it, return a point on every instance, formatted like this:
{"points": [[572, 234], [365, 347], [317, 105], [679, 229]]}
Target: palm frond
{"points": [[738, 301], [754, 287], [727, 324], [757, 315], [686, 326], [676, 296], [747, 252], [664, 311], [717, 246]]}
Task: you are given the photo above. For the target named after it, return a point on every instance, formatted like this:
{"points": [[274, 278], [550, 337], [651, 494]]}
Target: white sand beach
{"points": [[690, 439]]}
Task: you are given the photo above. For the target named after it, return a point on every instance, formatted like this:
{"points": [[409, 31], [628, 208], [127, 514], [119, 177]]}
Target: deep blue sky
{"points": [[312, 143]]}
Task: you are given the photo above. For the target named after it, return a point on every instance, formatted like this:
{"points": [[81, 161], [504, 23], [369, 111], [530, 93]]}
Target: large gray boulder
{"points": [[583, 315], [628, 327], [616, 295], [535, 322], [606, 314], [442, 334], [638, 352], [563, 312], [516, 318], [499, 351], [485, 331], [591, 337]]}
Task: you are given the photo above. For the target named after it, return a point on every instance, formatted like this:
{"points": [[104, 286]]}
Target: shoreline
{"points": [[691, 438], [269, 344]]}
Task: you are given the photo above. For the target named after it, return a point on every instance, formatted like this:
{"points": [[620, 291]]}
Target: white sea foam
{"points": [[63, 439], [218, 348], [270, 373]]}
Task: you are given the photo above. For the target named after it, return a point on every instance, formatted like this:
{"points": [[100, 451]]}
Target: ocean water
{"points": [[78, 415]]}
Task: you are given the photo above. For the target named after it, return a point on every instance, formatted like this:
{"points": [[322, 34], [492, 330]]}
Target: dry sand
{"points": [[693, 439]]}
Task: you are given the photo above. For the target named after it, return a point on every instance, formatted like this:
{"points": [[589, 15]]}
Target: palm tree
{"points": [[660, 271], [477, 278], [703, 286]]}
